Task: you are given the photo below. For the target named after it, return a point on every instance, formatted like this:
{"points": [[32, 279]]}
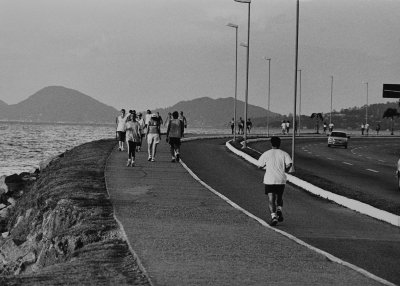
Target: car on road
{"points": [[338, 138]]}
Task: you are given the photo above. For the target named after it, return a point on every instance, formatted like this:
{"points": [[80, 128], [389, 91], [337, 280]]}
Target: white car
{"points": [[338, 138]]}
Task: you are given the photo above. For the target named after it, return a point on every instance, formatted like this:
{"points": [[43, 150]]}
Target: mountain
{"points": [[3, 107], [208, 112], [59, 104]]}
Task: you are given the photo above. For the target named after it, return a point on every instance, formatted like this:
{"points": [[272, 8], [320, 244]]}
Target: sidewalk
{"points": [[183, 234]]}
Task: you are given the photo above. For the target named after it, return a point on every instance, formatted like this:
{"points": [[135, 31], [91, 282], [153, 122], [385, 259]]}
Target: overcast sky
{"points": [[155, 53]]}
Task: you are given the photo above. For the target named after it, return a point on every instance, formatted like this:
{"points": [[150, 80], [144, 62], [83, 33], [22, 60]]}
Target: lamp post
{"points": [[236, 76], [366, 107], [330, 114], [299, 125], [247, 70], [295, 82], [269, 92]]}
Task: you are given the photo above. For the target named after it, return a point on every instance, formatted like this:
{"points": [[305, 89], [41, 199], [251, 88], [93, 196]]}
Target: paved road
{"points": [[358, 239], [368, 166]]}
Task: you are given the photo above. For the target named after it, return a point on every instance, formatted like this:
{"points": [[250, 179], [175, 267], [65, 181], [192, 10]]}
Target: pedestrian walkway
{"points": [[183, 234]]}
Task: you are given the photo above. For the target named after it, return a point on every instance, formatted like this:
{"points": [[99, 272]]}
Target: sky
{"points": [[148, 54]]}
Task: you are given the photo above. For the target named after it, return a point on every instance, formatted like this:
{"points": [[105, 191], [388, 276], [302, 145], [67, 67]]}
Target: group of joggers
{"points": [[132, 128]]}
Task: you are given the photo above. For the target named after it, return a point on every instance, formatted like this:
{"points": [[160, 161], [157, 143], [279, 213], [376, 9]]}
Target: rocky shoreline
{"points": [[57, 225]]}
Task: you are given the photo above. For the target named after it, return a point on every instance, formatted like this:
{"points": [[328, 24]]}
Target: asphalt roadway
{"points": [[355, 238]]}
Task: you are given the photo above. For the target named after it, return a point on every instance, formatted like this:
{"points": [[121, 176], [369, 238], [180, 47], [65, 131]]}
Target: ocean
{"points": [[24, 145]]}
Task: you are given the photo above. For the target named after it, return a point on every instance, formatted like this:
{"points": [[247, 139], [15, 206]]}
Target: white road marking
{"points": [[371, 170], [347, 163], [383, 161], [330, 159]]}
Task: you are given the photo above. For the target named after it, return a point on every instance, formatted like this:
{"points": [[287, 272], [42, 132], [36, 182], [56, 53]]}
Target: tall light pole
{"points": [[366, 107], [247, 70], [299, 125], [330, 114], [295, 81], [236, 76], [269, 92]]}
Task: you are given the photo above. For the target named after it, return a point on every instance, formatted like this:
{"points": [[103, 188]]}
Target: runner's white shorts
{"points": [[153, 138]]}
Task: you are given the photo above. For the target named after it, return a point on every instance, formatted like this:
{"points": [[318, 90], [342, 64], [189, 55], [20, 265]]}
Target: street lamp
{"points": [[236, 76], [366, 107], [299, 125], [269, 92], [330, 115], [247, 70], [295, 81]]}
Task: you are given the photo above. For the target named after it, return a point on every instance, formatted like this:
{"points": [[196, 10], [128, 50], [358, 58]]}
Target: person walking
{"points": [[283, 127], [132, 138], [324, 128], [184, 121], [120, 122], [331, 125], [366, 128], [153, 136], [168, 119], [140, 120], [232, 123], [287, 126], [378, 128], [249, 125], [174, 135], [362, 128], [276, 163]]}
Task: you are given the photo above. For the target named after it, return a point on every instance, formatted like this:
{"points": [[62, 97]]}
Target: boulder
{"points": [[13, 179], [11, 252]]}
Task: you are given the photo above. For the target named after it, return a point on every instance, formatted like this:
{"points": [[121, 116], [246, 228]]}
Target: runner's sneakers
{"points": [[128, 163], [279, 215], [149, 159], [273, 222]]}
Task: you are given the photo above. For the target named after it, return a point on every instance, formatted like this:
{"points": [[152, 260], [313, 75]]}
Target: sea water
{"points": [[24, 145]]}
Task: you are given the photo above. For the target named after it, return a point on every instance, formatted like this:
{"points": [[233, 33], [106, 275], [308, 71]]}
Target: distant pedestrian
{"points": [[378, 128], [331, 125], [241, 126], [283, 127], [232, 123], [147, 117], [325, 127], [132, 138], [287, 126], [362, 128], [276, 163], [174, 135], [120, 122], [140, 120], [249, 125], [367, 129], [160, 120], [153, 136], [184, 121], [168, 119]]}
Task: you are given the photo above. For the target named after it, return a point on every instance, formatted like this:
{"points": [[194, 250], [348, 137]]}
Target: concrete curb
{"points": [[341, 200]]}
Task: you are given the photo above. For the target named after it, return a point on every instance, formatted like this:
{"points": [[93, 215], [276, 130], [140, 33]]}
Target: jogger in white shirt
{"points": [[276, 163]]}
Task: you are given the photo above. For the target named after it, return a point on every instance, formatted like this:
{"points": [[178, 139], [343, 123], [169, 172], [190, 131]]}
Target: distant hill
{"points": [[208, 112], [59, 104]]}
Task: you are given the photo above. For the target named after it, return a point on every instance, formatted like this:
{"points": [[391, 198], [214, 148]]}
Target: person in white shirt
{"points": [[120, 122], [276, 163]]}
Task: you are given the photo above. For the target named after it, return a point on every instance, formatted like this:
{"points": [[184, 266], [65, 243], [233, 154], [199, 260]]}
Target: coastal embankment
{"points": [[61, 229]]}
